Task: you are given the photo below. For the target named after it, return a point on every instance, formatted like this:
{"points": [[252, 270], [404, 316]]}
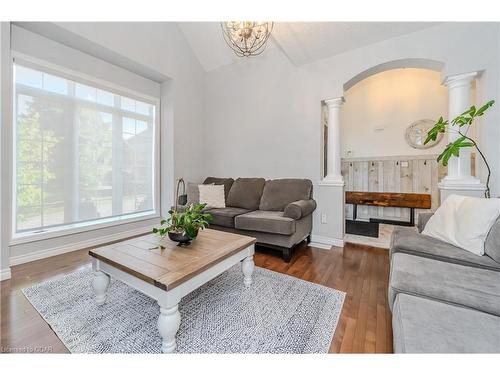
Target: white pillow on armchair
{"points": [[464, 221]]}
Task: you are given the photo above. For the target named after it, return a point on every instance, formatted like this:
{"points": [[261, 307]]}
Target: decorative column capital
{"points": [[335, 102], [457, 80], [459, 178]]}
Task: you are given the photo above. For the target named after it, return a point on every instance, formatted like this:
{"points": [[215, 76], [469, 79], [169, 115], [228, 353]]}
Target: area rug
{"points": [[276, 314]]}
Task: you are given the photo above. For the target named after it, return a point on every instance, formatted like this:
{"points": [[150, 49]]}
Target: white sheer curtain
{"points": [[82, 153]]}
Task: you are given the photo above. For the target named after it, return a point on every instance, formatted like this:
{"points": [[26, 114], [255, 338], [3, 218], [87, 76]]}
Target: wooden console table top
{"points": [[170, 265], [407, 200]]}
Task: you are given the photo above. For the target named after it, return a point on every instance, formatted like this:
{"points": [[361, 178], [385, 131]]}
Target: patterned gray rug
{"points": [[276, 314]]}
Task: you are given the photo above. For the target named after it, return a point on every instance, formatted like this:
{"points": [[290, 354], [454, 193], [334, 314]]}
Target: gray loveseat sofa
{"points": [[444, 299], [276, 212]]}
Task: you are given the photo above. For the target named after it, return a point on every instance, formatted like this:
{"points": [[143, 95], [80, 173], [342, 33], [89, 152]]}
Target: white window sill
{"points": [[27, 237]]}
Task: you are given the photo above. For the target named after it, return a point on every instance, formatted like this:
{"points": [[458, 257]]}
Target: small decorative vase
{"points": [[182, 238]]}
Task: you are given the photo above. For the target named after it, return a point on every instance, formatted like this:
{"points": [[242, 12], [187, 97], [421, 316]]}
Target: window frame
{"points": [[83, 226]]}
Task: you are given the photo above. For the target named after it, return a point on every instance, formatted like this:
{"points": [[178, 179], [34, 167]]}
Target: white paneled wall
{"points": [[405, 174]]}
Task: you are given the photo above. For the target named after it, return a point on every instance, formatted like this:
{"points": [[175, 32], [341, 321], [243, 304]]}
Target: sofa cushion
{"points": [[492, 244], [246, 193], [193, 193], [279, 193], [423, 218], [225, 216], [302, 229], [227, 182], [421, 325], [266, 221], [407, 240], [472, 287]]}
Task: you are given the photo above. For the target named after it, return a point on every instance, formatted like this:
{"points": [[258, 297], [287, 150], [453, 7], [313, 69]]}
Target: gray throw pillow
{"points": [[193, 193], [492, 243]]}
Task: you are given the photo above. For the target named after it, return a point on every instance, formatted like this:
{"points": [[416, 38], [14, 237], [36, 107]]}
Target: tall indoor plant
{"points": [[461, 125]]}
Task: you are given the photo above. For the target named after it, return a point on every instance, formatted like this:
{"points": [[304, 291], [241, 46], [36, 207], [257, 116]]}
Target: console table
{"points": [[402, 200]]}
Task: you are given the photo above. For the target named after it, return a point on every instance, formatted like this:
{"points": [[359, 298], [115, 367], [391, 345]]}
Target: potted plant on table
{"points": [[183, 227], [461, 125]]}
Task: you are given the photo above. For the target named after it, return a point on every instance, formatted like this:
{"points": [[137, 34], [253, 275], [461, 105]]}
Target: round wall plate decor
{"points": [[416, 134]]}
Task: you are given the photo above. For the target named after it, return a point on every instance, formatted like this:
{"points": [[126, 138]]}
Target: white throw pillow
{"points": [[464, 221], [212, 195]]}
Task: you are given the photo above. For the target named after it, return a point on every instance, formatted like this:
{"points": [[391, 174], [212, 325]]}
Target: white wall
{"points": [[378, 110], [263, 115], [158, 50]]}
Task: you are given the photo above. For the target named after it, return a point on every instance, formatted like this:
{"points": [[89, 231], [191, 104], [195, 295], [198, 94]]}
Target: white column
{"points": [[334, 175], [329, 217], [459, 179]]}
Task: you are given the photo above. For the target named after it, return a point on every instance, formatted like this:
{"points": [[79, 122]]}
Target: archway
{"points": [[459, 87], [376, 154], [333, 176], [395, 64]]}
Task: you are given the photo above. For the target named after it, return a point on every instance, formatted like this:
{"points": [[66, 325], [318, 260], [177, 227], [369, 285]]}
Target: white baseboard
{"points": [[46, 253], [324, 242], [320, 245], [5, 274]]}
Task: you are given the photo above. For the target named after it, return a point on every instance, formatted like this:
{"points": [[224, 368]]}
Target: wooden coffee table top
{"points": [[170, 266]]}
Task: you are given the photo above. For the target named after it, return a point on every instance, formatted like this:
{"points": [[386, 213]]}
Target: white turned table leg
{"points": [[100, 284], [247, 266], [168, 325]]}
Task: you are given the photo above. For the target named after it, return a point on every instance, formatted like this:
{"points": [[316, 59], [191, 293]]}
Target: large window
{"points": [[83, 153]]}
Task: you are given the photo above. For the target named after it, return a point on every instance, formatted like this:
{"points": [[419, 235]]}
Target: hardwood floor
{"points": [[360, 271]]}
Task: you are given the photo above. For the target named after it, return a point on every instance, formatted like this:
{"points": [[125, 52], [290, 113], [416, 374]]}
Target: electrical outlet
{"points": [[324, 219]]}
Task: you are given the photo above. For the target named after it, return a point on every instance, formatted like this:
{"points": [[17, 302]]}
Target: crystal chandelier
{"points": [[246, 38]]}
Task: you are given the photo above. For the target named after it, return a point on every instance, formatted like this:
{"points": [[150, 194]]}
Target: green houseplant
{"points": [[461, 125], [183, 226]]}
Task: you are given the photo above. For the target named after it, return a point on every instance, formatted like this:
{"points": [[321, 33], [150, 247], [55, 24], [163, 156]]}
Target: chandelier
{"points": [[247, 38]]}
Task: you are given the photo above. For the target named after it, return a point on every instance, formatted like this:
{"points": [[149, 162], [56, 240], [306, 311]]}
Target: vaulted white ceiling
{"points": [[302, 42]]}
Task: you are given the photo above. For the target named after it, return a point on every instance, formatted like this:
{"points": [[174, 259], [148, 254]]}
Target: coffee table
{"points": [[167, 272]]}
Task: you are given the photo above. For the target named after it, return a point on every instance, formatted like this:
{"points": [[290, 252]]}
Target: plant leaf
{"points": [[439, 127], [483, 109], [453, 149]]}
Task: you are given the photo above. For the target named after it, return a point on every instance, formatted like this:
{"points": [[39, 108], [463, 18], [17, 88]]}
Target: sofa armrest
{"points": [[300, 209], [423, 218]]}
